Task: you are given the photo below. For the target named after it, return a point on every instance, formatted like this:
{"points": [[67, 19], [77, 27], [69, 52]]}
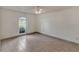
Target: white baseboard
{"points": [[62, 38]]}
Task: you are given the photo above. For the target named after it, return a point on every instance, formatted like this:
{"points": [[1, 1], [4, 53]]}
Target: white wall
{"points": [[9, 22], [63, 24], [0, 34]]}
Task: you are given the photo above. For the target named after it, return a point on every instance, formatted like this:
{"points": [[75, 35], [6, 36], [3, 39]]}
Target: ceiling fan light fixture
{"points": [[38, 10]]}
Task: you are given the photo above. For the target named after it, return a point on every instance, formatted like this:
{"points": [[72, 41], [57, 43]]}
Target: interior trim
{"points": [[58, 38], [41, 34], [13, 37], [31, 33]]}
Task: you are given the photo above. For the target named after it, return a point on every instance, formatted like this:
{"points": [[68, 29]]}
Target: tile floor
{"points": [[37, 43]]}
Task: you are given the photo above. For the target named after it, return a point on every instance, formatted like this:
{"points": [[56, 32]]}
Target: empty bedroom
{"points": [[39, 28]]}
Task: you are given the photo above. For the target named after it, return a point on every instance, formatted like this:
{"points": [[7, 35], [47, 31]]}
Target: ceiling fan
{"points": [[38, 10]]}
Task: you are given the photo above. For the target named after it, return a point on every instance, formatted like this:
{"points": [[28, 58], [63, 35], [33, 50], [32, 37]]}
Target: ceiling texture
{"points": [[31, 9]]}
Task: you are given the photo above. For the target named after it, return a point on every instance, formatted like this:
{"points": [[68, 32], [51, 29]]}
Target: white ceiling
{"points": [[31, 9]]}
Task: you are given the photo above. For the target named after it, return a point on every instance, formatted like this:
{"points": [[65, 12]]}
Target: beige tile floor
{"points": [[37, 43]]}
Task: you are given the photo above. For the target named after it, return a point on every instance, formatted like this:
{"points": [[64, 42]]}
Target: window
{"points": [[22, 25]]}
